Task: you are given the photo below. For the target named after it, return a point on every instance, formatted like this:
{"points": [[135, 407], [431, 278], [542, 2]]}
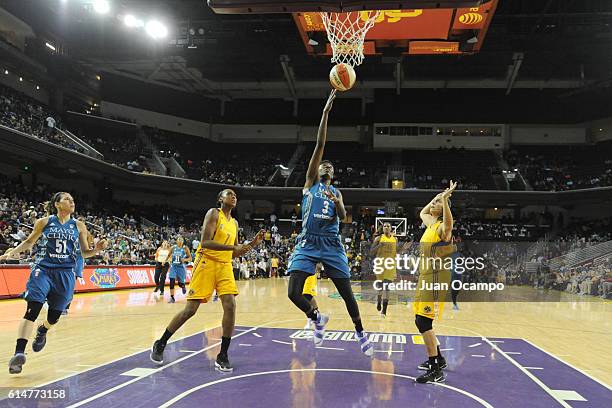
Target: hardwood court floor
{"points": [[106, 326]]}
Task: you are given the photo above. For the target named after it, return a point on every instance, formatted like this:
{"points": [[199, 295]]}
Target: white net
{"points": [[346, 33]]}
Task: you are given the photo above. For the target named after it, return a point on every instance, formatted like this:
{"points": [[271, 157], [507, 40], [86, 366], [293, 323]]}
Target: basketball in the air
{"points": [[342, 77]]}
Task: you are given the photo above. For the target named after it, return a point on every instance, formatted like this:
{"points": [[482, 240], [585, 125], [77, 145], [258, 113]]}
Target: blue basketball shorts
{"points": [[178, 272], [53, 285], [311, 249]]}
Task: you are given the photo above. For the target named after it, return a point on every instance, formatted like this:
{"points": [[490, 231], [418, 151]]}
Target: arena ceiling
{"points": [[563, 44]]}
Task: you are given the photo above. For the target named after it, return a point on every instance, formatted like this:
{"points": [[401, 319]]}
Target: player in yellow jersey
{"points": [[428, 304], [212, 270], [385, 247]]}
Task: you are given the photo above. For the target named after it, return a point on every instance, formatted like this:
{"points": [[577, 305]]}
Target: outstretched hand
{"points": [[449, 191], [330, 101]]}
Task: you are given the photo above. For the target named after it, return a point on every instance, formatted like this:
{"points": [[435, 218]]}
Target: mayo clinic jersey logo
{"points": [[105, 277], [191, 292], [427, 309]]}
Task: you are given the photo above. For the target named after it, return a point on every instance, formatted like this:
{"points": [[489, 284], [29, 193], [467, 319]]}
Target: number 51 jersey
{"points": [[58, 244]]}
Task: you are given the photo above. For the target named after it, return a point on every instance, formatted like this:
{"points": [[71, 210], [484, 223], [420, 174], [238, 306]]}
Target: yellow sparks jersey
{"points": [[431, 233], [387, 247], [224, 234]]}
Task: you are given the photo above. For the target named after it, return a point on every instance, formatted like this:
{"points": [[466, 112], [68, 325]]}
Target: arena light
{"points": [[101, 6], [132, 22], [50, 46], [6, 72], [156, 29], [37, 87], [20, 79]]}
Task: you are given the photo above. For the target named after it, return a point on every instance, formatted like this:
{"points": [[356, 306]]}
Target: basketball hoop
{"points": [[346, 33]]}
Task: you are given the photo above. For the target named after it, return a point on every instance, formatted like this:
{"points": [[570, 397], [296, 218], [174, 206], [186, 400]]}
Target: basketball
{"points": [[342, 77]]}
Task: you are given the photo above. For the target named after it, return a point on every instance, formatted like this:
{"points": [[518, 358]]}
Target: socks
{"points": [[358, 326], [42, 329], [433, 363], [313, 315], [166, 336], [384, 306], [439, 354], [378, 300], [225, 342], [21, 346]]}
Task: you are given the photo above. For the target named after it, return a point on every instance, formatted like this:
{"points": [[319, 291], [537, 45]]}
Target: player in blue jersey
{"points": [[52, 275], [179, 255], [319, 241]]}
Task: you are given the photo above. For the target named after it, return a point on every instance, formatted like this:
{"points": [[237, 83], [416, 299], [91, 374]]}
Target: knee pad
{"points": [[32, 311], [423, 323], [53, 316], [172, 283]]}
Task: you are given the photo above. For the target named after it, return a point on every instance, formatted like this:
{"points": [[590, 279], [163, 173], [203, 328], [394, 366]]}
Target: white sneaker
{"points": [[319, 331]]}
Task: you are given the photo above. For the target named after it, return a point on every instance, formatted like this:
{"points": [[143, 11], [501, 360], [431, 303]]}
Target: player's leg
{"points": [[435, 362], [162, 279], [190, 309], [172, 282], [385, 297], [37, 288], [158, 268], [297, 280], [227, 290], [229, 319], [24, 332], [309, 292], [59, 297], [343, 285], [182, 277]]}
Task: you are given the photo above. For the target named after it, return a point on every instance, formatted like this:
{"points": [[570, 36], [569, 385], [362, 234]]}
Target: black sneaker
{"points": [[40, 340], [222, 364], [157, 352], [432, 376], [378, 306], [425, 365], [16, 363]]}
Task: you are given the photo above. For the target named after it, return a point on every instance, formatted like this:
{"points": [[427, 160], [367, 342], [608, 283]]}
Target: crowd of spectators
{"points": [[234, 164], [563, 168]]}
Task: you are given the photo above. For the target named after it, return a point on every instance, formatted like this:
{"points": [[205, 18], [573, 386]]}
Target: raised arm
{"points": [[29, 242], [425, 215], [445, 230], [313, 166]]}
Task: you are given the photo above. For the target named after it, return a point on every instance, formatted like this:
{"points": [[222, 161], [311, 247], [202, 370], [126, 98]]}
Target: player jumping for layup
{"points": [[212, 270], [319, 241]]}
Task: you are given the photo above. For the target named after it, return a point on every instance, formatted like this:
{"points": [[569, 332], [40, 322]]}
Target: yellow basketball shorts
{"points": [[388, 274], [429, 302], [209, 276], [310, 286]]}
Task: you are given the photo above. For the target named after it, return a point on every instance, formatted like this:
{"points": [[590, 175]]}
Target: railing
{"points": [[581, 255]]}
